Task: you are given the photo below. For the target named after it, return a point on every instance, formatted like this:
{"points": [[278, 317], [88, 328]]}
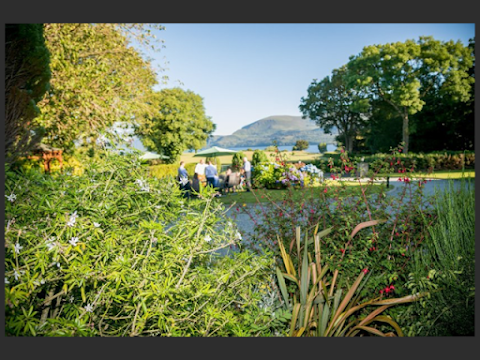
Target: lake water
{"points": [[312, 148]]}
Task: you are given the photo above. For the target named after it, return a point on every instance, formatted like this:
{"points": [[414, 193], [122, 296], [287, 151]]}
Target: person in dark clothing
{"points": [[183, 181]]}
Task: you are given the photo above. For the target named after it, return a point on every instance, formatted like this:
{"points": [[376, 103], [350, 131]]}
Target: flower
{"points": [[89, 308], [238, 236], [6, 280], [72, 219], [17, 248], [16, 274], [11, 197], [96, 224], [342, 250], [365, 270], [71, 299], [74, 241], [325, 190], [183, 181], [207, 238], [50, 243]]}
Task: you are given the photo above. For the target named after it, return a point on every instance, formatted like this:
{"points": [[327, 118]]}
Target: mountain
{"points": [[286, 130]]}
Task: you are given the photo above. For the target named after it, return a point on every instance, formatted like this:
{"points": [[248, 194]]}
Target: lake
{"points": [[137, 144]]}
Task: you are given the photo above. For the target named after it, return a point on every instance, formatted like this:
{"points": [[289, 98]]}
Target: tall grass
{"points": [[448, 257]]}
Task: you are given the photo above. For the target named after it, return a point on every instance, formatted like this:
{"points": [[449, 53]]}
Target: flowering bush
{"points": [[386, 247], [114, 252]]}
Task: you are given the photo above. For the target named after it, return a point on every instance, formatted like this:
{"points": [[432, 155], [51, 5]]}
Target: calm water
{"points": [[312, 148]]}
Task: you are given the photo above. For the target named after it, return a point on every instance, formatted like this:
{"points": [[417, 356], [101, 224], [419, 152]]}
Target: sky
{"points": [[246, 72]]}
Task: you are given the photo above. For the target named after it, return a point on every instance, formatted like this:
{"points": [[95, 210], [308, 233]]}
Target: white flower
{"points": [[50, 243], [207, 238], [16, 274], [183, 181], [143, 185], [58, 265], [229, 224], [238, 236], [72, 219], [72, 298], [74, 241], [42, 281], [89, 308], [17, 248], [96, 224], [6, 281], [11, 197]]}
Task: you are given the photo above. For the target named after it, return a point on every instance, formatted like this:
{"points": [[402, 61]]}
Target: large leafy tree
{"points": [[179, 124], [403, 73], [27, 75], [331, 103], [98, 78]]}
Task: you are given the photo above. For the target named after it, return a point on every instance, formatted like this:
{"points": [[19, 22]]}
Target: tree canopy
{"points": [[27, 75], [331, 103], [403, 73], [179, 123], [97, 79]]}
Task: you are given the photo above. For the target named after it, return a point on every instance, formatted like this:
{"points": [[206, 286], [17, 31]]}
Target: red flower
{"points": [[281, 213], [387, 290], [312, 211], [398, 161], [392, 287], [391, 164], [342, 250], [238, 209], [342, 150], [325, 190], [365, 270], [397, 234], [399, 150], [381, 291]]}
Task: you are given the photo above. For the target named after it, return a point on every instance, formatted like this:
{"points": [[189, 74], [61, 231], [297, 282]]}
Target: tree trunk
{"points": [[405, 133]]}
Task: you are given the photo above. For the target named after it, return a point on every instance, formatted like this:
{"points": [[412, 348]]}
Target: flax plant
{"points": [[319, 305]]}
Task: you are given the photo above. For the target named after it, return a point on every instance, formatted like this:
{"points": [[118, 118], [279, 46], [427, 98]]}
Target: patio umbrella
{"points": [[151, 156], [215, 151]]}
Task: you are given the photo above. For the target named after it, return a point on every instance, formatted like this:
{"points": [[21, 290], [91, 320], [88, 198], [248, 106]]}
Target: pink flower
{"points": [[365, 270], [325, 190]]}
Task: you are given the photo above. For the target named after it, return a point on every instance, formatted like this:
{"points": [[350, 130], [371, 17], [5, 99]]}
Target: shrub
{"points": [[322, 147], [114, 252], [237, 160], [301, 145], [258, 157]]}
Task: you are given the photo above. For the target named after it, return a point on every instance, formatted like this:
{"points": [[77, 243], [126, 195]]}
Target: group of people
{"points": [[207, 175]]}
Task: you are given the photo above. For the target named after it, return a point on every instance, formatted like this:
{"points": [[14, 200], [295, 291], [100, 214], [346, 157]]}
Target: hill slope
{"points": [[286, 130]]}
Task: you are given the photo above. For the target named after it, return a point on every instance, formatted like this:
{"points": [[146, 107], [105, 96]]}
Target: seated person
{"points": [[233, 181]]}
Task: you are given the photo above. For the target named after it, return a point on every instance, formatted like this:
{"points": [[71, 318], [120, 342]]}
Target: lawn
{"points": [[263, 195], [444, 174]]}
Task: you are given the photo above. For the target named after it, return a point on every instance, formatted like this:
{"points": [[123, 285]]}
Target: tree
{"points": [[330, 103], [97, 80], [179, 123], [402, 73], [301, 145], [237, 160], [27, 75], [322, 147]]}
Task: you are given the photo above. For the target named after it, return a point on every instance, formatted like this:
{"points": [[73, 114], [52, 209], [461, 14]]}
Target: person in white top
{"points": [[248, 172], [200, 171]]}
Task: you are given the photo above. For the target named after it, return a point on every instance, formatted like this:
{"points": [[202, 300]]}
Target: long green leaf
{"points": [[283, 286]]}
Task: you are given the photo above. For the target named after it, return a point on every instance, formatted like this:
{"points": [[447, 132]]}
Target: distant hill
{"points": [[286, 130]]}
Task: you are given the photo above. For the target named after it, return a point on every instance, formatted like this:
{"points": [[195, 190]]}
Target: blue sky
{"points": [[245, 72]]}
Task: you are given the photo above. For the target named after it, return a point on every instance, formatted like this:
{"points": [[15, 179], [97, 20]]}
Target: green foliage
{"points": [[322, 147], [446, 263], [258, 157], [237, 160], [301, 145], [320, 305], [179, 123], [27, 75], [97, 79], [331, 103], [114, 252], [400, 73]]}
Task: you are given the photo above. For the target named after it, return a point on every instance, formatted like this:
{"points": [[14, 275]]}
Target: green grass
{"points": [[444, 174], [349, 189]]}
